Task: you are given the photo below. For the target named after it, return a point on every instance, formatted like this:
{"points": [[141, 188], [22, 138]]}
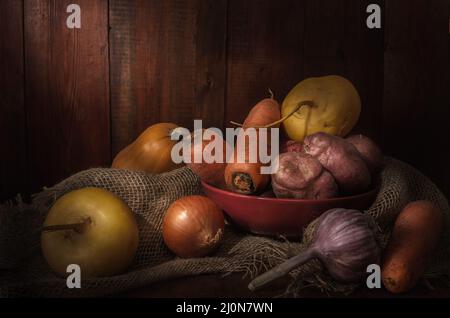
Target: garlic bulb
{"points": [[343, 241]]}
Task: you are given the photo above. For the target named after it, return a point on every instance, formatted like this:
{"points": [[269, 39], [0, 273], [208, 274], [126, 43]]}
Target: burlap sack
{"points": [[25, 273]]}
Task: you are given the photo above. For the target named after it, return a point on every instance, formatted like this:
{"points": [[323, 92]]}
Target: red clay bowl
{"points": [[287, 217]]}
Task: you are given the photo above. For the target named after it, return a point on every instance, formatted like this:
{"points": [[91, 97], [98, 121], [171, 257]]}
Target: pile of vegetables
{"points": [[345, 243], [317, 161]]}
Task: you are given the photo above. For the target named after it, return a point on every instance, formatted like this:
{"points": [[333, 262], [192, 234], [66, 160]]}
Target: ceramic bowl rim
{"points": [[288, 200]]}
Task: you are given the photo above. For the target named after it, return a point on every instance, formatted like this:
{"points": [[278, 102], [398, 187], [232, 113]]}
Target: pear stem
{"points": [[77, 227], [306, 103]]}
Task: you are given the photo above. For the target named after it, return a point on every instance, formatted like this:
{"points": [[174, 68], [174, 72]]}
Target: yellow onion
{"points": [[193, 226], [344, 241]]}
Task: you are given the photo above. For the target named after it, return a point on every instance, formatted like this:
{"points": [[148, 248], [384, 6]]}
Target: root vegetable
{"points": [[415, 236], [245, 177], [301, 176], [369, 151], [341, 159], [291, 146], [263, 113]]}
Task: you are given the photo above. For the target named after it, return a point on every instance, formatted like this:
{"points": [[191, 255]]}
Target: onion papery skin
{"points": [[193, 226]]}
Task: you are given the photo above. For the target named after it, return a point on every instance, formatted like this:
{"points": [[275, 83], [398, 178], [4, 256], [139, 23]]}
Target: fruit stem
{"points": [[308, 117], [77, 227], [305, 103]]}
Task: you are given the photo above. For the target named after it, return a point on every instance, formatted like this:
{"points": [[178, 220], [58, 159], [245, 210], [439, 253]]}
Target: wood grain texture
{"points": [[177, 60], [136, 80], [210, 68], [12, 119], [265, 50], [416, 104], [67, 95], [167, 64], [337, 41]]}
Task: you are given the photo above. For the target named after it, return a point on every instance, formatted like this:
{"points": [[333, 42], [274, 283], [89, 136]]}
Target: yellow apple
{"points": [[92, 228], [332, 105]]}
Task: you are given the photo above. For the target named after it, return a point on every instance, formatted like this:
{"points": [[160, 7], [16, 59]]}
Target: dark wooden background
{"points": [[71, 99]]}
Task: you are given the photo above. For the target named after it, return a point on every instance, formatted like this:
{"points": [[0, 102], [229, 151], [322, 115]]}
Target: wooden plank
{"points": [[210, 68], [179, 67], [265, 50], [67, 95], [337, 41], [167, 64], [416, 94], [152, 66], [122, 52], [136, 29], [12, 119]]}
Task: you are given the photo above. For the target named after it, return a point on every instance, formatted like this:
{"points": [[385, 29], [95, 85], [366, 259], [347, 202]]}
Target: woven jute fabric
{"points": [[24, 272]]}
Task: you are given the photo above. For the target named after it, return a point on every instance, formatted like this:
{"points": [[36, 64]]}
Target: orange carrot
{"points": [[415, 236], [265, 112], [245, 177]]}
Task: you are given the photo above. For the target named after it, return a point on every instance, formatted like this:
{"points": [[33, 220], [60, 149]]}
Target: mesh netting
{"points": [[25, 273]]}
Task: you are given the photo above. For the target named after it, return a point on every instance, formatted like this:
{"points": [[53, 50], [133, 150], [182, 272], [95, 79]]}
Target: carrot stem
{"points": [[235, 123]]}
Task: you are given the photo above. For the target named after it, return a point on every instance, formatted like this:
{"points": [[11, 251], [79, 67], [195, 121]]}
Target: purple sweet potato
{"points": [[301, 176], [369, 151], [341, 159], [291, 146]]}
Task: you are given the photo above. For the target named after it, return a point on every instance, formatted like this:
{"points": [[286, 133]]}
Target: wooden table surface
{"points": [[235, 286]]}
